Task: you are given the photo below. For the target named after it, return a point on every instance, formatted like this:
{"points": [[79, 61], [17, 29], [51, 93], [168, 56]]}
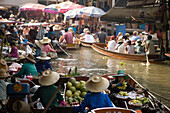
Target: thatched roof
{"points": [[127, 14]]}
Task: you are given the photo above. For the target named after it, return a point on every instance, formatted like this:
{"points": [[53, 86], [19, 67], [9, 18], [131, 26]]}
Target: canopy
{"points": [[92, 11], [73, 13], [51, 9], [35, 24], [116, 14], [32, 7]]}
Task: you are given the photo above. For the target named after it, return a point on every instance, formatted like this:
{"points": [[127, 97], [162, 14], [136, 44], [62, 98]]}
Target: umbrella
{"points": [[66, 6], [92, 11], [5, 21], [73, 13], [51, 9], [31, 7]]}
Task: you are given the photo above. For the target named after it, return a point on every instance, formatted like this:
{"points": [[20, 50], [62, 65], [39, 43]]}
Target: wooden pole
{"points": [[2, 44]]}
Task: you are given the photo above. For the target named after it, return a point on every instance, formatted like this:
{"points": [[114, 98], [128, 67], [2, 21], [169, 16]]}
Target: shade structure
{"points": [[92, 11], [115, 14], [66, 6], [32, 7], [51, 9], [73, 13]]}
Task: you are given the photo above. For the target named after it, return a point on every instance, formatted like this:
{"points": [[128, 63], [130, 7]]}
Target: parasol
{"points": [[31, 7], [51, 9]]}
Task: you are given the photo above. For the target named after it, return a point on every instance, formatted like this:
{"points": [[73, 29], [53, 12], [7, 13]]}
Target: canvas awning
{"points": [[136, 15], [139, 3]]}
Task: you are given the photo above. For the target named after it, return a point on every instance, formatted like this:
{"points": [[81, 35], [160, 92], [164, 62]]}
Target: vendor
{"points": [[28, 67], [96, 99], [46, 47], [47, 89], [14, 51], [38, 48], [43, 64]]}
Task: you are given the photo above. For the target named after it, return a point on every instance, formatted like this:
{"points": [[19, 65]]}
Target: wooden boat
{"points": [[86, 44], [73, 46], [100, 48]]}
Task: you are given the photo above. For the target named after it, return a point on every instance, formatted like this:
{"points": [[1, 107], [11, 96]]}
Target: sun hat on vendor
{"points": [[43, 56], [3, 73], [45, 40], [97, 84], [48, 78], [38, 43], [7, 33], [3, 65], [138, 42], [20, 107], [56, 27], [30, 58], [121, 73]]}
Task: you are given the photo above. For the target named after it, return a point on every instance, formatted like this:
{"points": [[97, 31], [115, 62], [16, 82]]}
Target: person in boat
{"points": [[47, 89], [120, 47], [102, 35], [38, 46], [26, 32], [26, 46], [73, 26], [3, 85], [14, 51], [43, 64], [28, 67], [9, 39], [135, 36], [88, 37], [57, 32], [96, 99], [139, 49], [68, 37], [46, 47], [130, 49], [50, 34], [149, 46], [115, 85], [119, 37], [112, 43]]}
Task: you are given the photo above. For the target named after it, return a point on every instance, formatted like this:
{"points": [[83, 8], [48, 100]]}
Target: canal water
{"points": [[155, 77]]}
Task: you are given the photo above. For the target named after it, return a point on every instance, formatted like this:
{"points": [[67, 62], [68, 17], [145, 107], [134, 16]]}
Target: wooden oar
{"points": [[52, 98]]}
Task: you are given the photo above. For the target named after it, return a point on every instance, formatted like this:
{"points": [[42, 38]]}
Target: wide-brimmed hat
{"points": [[7, 33], [3, 73], [48, 78], [38, 43], [97, 84], [72, 25], [11, 16], [30, 58], [43, 56], [121, 73], [138, 41], [45, 40], [21, 107], [3, 65], [57, 27]]}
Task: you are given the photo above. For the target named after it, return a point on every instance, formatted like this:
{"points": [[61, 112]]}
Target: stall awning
{"points": [[140, 15]]}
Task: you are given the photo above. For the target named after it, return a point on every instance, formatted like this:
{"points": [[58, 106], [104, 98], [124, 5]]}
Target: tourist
{"points": [[3, 85], [139, 49], [130, 49], [119, 37], [149, 46], [68, 37], [28, 67], [96, 99], [46, 47], [43, 64], [88, 37], [47, 89], [112, 44], [57, 32], [135, 36], [14, 51], [102, 35]]}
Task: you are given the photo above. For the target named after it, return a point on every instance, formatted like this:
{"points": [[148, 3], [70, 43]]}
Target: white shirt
{"points": [[89, 38], [121, 48], [111, 45], [130, 49]]}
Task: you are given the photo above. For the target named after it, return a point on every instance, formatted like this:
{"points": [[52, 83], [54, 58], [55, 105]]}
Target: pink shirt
{"points": [[68, 36], [47, 49]]}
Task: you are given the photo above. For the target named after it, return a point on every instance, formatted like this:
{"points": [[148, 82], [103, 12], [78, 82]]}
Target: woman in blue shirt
{"points": [[95, 99]]}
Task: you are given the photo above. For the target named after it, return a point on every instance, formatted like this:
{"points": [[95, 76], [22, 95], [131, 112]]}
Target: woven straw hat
{"points": [[7, 33], [38, 43], [45, 40], [57, 27], [97, 84], [30, 58], [3, 73], [3, 65], [48, 78], [21, 107], [43, 56]]}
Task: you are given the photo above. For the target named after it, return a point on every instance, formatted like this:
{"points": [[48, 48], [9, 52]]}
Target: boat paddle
{"points": [[52, 98]]}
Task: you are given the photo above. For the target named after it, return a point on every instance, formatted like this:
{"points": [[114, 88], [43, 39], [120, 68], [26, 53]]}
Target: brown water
{"points": [[155, 77]]}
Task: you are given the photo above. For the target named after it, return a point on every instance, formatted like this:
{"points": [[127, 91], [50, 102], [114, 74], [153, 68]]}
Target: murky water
{"points": [[155, 77]]}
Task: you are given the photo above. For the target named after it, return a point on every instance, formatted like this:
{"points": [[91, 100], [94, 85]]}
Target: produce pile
{"points": [[75, 92], [123, 93]]}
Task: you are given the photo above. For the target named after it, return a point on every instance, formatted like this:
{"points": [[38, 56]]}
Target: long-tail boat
{"points": [[100, 48], [86, 44]]}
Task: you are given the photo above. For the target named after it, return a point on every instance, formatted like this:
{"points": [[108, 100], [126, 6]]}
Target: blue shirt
{"points": [[94, 100], [136, 38], [39, 65]]}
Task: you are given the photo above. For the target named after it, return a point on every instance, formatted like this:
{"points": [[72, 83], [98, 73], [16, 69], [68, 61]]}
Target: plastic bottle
{"points": [[25, 77]]}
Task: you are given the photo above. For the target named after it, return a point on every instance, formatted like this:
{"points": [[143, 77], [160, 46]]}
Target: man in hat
{"points": [[28, 67], [47, 89], [3, 85], [96, 99], [9, 39], [43, 64], [57, 32]]}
